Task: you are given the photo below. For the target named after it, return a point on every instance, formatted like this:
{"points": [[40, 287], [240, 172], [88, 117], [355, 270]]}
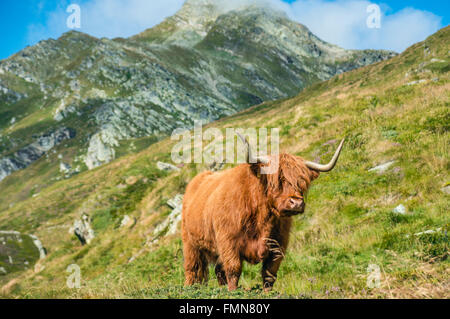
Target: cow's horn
{"points": [[251, 159], [328, 167]]}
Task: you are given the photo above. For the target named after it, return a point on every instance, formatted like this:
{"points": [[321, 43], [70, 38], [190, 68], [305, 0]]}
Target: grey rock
{"points": [[63, 111], [170, 224], [126, 219], [127, 222], [64, 168], [31, 153], [382, 168], [100, 150], [10, 96], [83, 230], [446, 189], [38, 244], [168, 227], [416, 82], [9, 232], [428, 232], [400, 209], [166, 167]]}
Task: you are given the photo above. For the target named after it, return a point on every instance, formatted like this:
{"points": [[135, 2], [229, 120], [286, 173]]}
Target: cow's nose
{"points": [[296, 204]]}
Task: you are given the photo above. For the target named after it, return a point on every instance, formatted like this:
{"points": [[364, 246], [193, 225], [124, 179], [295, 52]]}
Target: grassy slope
{"points": [[349, 222]]}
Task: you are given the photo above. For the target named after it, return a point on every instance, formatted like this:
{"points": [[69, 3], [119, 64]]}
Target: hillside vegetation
{"points": [[396, 110], [119, 96]]}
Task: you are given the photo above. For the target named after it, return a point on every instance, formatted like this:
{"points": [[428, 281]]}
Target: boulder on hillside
{"points": [[64, 168], [172, 221], [127, 222], [168, 227], [38, 244], [400, 209], [83, 230]]}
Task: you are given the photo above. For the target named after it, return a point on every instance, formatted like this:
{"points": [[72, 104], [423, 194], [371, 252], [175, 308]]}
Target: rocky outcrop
{"points": [[63, 111], [82, 230], [100, 150], [170, 225], [38, 244], [10, 96], [19, 251], [29, 154]]}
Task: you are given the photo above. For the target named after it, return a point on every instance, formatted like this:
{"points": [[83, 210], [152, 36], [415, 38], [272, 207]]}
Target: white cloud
{"points": [[107, 18], [342, 22]]}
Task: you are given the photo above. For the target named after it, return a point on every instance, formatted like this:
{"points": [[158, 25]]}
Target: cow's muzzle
{"points": [[295, 206]]}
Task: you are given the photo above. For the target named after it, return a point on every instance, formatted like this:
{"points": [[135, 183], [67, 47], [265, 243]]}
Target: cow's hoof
{"points": [[267, 287], [232, 288]]}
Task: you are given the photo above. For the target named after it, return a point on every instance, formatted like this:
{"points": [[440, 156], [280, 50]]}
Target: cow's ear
{"points": [[256, 169], [313, 174]]}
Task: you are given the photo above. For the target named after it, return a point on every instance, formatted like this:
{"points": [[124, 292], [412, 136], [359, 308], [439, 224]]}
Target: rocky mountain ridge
{"points": [[203, 63]]}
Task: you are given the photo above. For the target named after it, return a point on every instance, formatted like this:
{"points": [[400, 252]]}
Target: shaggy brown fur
{"points": [[240, 215]]}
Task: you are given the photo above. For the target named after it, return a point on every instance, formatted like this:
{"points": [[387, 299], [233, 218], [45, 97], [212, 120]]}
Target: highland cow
{"points": [[242, 215]]}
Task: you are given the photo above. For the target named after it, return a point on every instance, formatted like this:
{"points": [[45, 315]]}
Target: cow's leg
{"points": [[220, 273], [277, 249], [233, 272], [231, 261], [232, 264], [204, 269], [195, 265], [269, 271]]}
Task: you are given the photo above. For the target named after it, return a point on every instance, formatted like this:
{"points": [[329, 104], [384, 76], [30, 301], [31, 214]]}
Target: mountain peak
{"points": [[190, 23], [196, 17], [199, 8], [214, 8]]}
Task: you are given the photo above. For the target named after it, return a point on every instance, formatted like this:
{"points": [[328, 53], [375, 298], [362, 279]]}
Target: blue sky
{"points": [[341, 22]]}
